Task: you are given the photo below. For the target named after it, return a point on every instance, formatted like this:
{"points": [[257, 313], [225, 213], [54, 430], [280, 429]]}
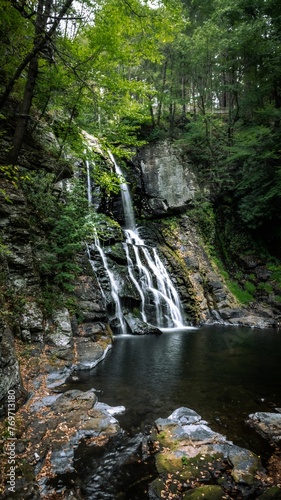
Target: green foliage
{"points": [[276, 272], [16, 39], [68, 222], [266, 287], [244, 296], [4, 250], [203, 214], [170, 225], [12, 175], [249, 287], [156, 134]]}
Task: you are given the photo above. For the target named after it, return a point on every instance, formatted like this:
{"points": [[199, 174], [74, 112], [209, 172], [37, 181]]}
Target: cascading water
{"points": [[113, 282], [89, 184], [128, 209], [160, 304], [159, 301], [114, 288]]}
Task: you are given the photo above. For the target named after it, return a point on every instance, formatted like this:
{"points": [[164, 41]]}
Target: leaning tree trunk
{"points": [[43, 12], [23, 117]]}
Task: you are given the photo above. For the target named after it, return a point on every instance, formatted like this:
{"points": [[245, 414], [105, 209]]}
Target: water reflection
{"points": [[222, 373]]}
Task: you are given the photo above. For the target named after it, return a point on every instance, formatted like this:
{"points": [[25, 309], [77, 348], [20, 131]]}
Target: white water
{"points": [[129, 215], [159, 300], [155, 283], [114, 288], [89, 184], [149, 274]]}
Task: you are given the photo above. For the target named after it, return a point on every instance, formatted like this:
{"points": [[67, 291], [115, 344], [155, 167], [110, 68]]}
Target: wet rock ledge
{"points": [[51, 425]]}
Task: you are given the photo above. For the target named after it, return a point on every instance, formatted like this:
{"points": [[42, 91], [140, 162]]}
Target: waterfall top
{"points": [[129, 215]]}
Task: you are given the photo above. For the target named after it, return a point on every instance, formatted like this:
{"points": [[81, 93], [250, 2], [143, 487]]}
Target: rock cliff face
{"points": [[199, 279], [168, 180], [165, 184], [24, 312]]}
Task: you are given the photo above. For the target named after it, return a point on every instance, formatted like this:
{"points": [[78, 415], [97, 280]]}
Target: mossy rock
{"points": [[117, 253], [206, 492], [245, 465], [160, 489], [183, 467], [273, 493], [156, 487], [167, 462]]}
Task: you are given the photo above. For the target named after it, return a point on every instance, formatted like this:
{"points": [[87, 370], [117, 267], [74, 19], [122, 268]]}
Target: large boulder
{"points": [[59, 332], [196, 461], [162, 166]]}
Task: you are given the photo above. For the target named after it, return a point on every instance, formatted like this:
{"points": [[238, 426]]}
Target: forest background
{"points": [[205, 74]]}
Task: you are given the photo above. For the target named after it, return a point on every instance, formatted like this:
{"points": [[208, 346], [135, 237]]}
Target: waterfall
{"points": [[159, 301], [113, 282], [159, 297], [126, 198], [89, 184], [114, 288]]}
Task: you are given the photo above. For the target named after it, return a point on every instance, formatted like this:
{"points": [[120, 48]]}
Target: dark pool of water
{"points": [[223, 373]]}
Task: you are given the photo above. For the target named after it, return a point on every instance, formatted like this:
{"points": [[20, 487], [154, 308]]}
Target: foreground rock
{"points": [[10, 379], [50, 427], [193, 462], [267, 424]]}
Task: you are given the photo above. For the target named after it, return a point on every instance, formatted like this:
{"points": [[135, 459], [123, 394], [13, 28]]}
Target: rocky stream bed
{"points": [[60, 432]]}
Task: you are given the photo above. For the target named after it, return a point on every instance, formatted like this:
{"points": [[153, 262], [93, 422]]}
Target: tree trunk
{"points": [[38, 46], [183, 96], [24, 114], [162, 92]]}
